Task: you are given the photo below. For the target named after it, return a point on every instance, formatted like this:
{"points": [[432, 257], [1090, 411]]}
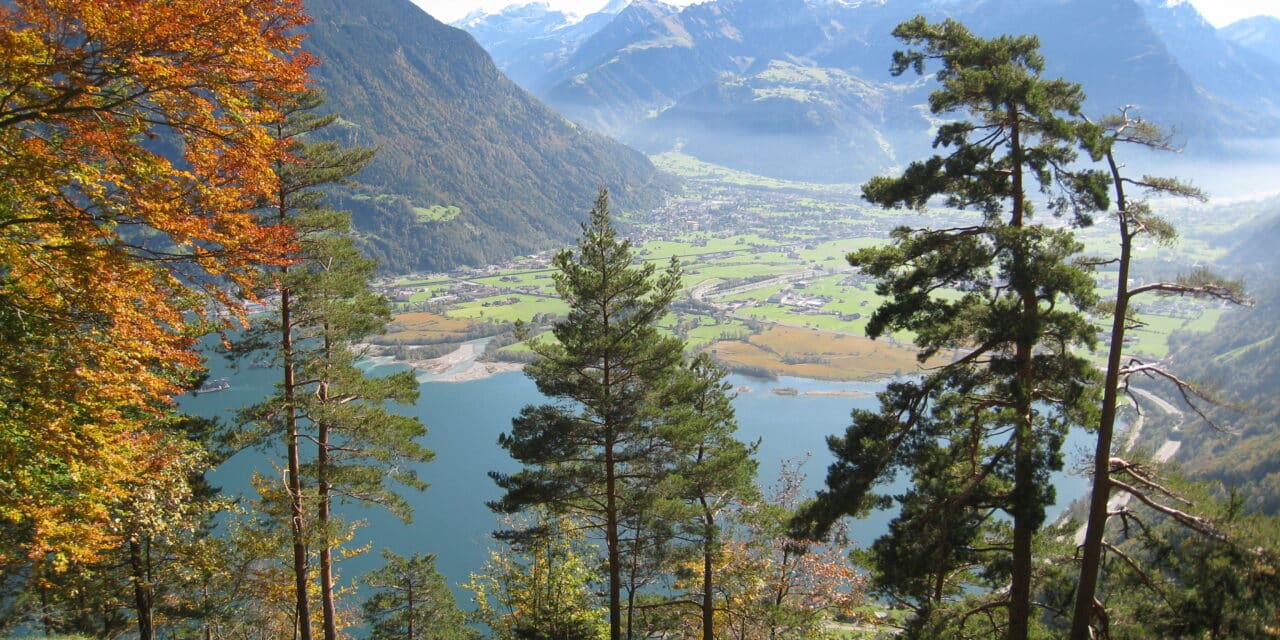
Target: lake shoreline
{"points": [[463, 365]]}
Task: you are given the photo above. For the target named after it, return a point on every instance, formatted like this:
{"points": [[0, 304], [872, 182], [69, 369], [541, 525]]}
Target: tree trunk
{"points": [[611, 541], [708, 581], [1024, 520], [142, 590], [294, 472], [1091, 551], [326, 550]]}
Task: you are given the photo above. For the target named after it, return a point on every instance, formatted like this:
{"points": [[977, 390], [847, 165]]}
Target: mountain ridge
{"points": [[655, 64], [471, 169]]}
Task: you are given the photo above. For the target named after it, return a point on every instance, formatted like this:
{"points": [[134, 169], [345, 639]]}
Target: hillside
{"points": [[819, 124], [471, 169], [1260, 34], [527, 40], [1239, 361]]}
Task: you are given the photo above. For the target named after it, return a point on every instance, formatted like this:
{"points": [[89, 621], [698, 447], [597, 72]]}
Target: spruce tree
{"points": [[591, 447], [981, 435]]}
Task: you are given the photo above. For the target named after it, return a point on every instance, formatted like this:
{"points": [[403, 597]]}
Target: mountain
{"points": [[470, 169], [1260, 34], [658, 76], [1238, 363], [526, 40], [654, 54], [818, 124]]}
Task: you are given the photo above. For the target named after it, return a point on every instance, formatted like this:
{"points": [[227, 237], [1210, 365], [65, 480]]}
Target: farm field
{"points": [[766, 285]]}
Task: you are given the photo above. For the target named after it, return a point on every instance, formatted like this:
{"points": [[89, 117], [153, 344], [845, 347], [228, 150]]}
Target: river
{"points": [[464, 420]]}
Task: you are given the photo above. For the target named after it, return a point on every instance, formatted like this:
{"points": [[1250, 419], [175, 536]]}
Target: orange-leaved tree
{"points": [[132, 152]]}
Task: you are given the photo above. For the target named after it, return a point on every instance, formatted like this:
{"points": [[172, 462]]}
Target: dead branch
{"points": [[1193, 522], [1142, 575]]}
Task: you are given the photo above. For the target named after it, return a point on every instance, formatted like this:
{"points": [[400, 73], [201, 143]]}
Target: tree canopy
{"points": [[133, 153], [980, 435]]}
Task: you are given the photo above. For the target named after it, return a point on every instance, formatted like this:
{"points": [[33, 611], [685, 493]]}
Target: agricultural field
{"points": [[810, 353], [423, 328], [766, 283]]}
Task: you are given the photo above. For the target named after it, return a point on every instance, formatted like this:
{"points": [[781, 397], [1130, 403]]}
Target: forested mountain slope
{"points": [[470, 169], [1240, 361]]}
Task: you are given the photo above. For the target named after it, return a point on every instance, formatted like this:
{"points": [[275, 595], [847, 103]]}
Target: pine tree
{"points": [[324, 308], [711, 470], [980, 435], [585, 452], [412, 601], [1134, 219]]}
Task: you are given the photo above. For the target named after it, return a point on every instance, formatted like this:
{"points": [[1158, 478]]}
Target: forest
{"points": [[168, 184]]}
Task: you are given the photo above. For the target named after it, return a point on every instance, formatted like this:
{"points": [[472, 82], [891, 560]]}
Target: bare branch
{"points": [[1142, 575], [1193, 522]]}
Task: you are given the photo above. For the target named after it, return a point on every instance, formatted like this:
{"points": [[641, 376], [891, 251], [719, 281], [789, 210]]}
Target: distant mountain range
{"points": [[1260, 34], [709, 77], [470, 168]]}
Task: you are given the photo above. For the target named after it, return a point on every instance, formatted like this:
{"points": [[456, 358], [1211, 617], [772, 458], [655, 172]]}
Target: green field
{"points": [[792, 239], [499, 308]]}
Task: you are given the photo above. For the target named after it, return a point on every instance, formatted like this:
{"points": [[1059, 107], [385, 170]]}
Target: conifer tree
{"points": [[584, 452], [1134, 219], [711, 470], [412, 601], [981, 435], [324, 308]]}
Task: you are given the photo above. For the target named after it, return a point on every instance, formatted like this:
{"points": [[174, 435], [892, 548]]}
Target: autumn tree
{"points": [[775, 585], [979, 435], [584, 452], [138, 581], [134, 150], [324, 308], [412, 601]]}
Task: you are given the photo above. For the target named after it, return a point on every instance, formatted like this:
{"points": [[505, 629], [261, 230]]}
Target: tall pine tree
{"points": [[711, 471], [591, 447], [324, 308], [1134, 220], [980, 435]]}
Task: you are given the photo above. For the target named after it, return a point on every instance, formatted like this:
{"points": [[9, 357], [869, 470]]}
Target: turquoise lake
{"points": [[464, 420]]}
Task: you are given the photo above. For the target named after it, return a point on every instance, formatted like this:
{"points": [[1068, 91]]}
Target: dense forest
{"points": [[168, 180]]}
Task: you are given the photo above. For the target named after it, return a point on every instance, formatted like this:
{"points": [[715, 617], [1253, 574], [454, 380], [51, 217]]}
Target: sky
{"points": [[1218, 12]]}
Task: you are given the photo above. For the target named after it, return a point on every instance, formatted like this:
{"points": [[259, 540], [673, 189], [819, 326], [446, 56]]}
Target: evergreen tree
{"points": [[711, 470], [324, 308], [585, 452], [1134, 219], [981, 435], [413, 602]]}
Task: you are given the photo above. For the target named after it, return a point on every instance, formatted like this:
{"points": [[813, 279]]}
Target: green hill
{"points": [[471, 169]]}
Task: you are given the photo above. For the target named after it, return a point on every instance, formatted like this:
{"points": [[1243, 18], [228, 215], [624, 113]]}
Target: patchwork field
{"points": [[809, 353], [767, 288]]}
